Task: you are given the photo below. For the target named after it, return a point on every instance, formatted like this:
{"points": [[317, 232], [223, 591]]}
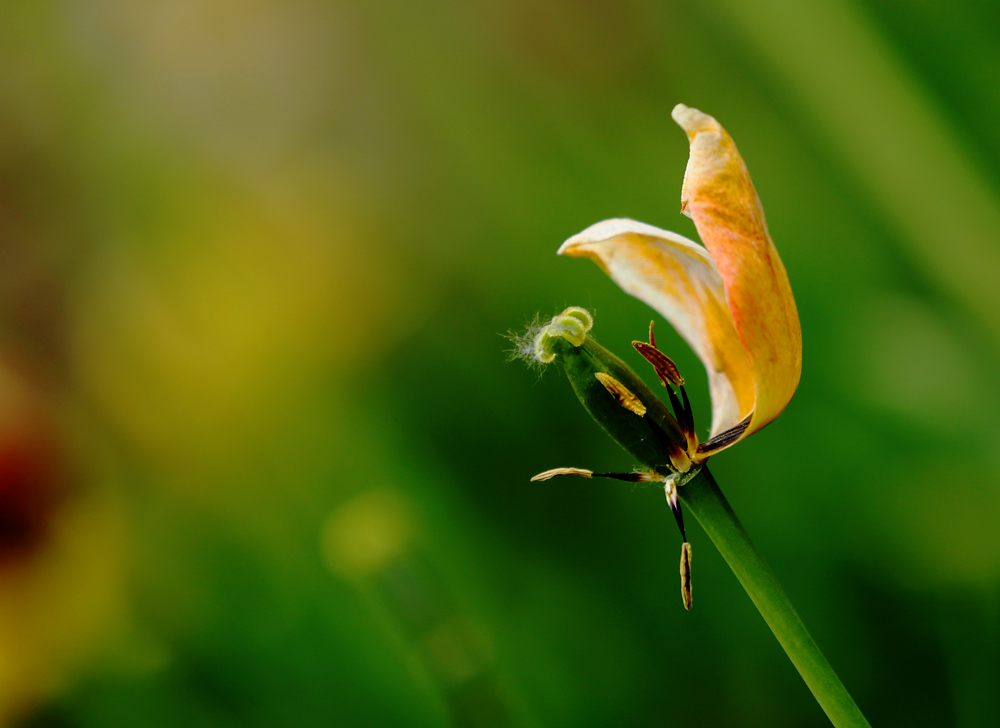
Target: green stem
{"points": [[704, 499]]}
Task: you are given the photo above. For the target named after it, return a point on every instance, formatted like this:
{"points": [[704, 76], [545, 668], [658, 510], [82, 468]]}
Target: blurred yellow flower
{"points": [[732, 302]]}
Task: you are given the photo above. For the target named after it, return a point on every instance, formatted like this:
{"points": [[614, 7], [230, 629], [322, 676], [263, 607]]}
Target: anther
{"points": [[686, 575], [562, 471], [665, 368], [627, 400]]}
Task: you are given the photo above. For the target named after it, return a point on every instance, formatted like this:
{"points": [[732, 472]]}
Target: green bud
{"points": [[620, 402]]}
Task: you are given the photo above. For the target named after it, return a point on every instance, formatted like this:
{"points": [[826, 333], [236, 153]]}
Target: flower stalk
{"points": [[705, 500]]}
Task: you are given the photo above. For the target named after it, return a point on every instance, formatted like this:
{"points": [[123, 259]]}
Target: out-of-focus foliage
{"points": [[263, 461]]}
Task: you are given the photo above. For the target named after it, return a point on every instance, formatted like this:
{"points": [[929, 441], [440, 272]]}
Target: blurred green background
{"points": [[264, 462]]}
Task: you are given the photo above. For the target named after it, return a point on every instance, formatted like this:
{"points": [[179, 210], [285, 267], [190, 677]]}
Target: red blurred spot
{"points": [[28, 495]]}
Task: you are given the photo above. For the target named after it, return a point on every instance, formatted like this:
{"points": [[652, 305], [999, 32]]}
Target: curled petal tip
{"points": [[567, 247], [599, 231], [579, 245], [693, 121]]}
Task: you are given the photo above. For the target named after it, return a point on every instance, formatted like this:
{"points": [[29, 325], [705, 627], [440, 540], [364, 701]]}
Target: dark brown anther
{"points": [[724, 439], [652, 339], [666, 370]]}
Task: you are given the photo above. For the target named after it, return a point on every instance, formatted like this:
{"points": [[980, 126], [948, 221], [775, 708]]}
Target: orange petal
{"points": [[678, 279], [719, 196]]}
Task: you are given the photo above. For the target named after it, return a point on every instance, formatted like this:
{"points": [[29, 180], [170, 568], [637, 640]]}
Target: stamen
{"points": [[686, 575], [688, 415], [562, 471], [649, 477], [678, 410], [680, 460], [726, 438], [627, 400], [670, 488], [652, 339], [641, 477], [665, 368]]}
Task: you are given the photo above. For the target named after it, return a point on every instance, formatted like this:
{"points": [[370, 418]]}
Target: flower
{"points": [[730, 300]]}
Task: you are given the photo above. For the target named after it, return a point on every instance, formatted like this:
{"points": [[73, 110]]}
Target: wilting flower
{"points": [[733, 304], [730, 300]]}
